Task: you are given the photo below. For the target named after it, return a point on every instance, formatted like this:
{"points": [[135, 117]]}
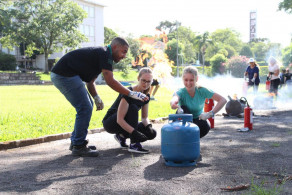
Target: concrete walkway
{"points": [[230, 159]]}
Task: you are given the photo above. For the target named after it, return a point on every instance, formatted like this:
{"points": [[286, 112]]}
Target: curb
{"points": [[27, 142]]}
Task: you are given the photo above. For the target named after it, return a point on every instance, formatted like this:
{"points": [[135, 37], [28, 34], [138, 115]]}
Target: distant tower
{"points": [[252, 25]]}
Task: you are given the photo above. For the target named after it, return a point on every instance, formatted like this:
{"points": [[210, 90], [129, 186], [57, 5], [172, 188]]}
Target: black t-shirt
{"points": [[114, 108], [288, 76], [86, 62]]}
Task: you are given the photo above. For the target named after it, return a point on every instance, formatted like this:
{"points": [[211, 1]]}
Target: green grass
{"points": [[260, 189], [132, 76], [35, 111], [43, 76], [275, 144]]}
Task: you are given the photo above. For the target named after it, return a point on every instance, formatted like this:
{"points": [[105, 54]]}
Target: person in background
{"points": [[192, 97], [154, 86], [287, 76], [282, 78], [84, 65], [252, 73], [122, 117], [274, 75]]}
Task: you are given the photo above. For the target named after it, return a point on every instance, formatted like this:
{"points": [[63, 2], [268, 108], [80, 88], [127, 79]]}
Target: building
{"points": [[92, 27]]}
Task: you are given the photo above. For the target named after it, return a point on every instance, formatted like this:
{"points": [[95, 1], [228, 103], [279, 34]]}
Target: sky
{"points": [[139, 17]]}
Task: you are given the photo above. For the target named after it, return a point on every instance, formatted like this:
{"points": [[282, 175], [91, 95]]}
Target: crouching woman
{"points": [[122, 118], [192, 97]]}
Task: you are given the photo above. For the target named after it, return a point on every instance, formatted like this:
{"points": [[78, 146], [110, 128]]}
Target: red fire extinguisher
{"points": [[248, 117], [268, 84], [209, 104]]}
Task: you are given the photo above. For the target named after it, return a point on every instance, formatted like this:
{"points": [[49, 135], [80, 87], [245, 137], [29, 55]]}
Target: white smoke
{"points": [[226, 85]]}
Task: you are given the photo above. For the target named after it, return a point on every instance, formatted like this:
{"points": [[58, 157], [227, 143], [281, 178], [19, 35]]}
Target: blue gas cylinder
{"points": [[180, 141]]}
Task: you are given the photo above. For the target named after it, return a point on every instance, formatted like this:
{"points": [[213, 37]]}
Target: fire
{"points": [[152, 55]]}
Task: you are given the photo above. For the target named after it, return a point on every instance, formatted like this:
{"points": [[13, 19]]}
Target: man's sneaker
{"points": [[152, 98], [121, 141], [85, 142], [137, 148], [84, 151]]}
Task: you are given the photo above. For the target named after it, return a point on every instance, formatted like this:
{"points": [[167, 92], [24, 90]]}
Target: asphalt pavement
{"points": [[231, 161]]}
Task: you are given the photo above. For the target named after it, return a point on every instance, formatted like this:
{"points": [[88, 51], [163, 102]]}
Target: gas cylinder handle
{"points": [[181, 117], [245, 101]]}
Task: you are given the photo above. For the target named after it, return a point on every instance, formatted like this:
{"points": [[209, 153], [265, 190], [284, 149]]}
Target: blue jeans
{"points": [[75, 92]]}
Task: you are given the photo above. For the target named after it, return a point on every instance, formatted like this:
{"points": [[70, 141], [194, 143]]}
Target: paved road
{"points": [[230, 158]]}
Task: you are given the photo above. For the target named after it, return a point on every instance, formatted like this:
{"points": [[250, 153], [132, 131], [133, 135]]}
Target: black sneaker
{"points": [[86, 142], [137, 148], [121, 141], [84, 151]]}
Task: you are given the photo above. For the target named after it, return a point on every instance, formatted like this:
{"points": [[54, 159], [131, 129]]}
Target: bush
{"points": [[237, 65], [217, 64], [7, 61], [263, 73]]}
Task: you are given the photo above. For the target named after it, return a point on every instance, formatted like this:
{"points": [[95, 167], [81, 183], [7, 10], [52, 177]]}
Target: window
{"points": [[4, 50], [81, 28], [91, 12], [86, 8], [86, 30], [12, 52]]}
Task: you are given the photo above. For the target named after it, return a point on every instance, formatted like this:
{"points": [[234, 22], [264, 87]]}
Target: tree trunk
{"points": [[46, 63], [203, 58]]}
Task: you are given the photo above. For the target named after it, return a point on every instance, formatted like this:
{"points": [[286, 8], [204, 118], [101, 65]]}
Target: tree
{"points": [[134, 45], [260, 50], [203, 42], [109, 35], [217, 63], [187, 37], [287, 55], [227, 37], [44, 25], [246, 51], [286, 5], [125, 64], [171, 50], [168, 26]]}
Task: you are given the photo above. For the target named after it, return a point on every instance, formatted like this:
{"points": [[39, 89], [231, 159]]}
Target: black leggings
{"points": [[111, 126], [274, 86], [203, 125]]}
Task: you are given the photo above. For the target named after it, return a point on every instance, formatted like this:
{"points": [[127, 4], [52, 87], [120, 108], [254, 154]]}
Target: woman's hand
{"points": [[174, 102]]}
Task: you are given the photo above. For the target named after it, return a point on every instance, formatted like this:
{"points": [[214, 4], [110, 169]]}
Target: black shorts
{"points": [[154, 82]]}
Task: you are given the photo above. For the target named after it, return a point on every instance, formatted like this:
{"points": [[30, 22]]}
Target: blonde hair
{"points": [[192, 70], [144, 71]]}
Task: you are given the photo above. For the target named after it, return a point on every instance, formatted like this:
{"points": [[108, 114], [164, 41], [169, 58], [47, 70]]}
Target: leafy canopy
{"points": [[43, 25]]}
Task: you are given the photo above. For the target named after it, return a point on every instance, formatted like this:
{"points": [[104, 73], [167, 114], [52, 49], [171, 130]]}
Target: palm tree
{"points": [[203, 42]]}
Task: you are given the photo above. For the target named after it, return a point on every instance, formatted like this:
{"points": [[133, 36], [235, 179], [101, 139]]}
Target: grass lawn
{"points": [[132, 76], [34, 111]]}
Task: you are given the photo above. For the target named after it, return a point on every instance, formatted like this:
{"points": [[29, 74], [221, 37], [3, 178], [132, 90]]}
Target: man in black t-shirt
{"points": [[84, 65]]}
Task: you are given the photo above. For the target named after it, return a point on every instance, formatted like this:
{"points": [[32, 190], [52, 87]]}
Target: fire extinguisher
{"points": [[209, 104], [268, 84], [248, 116]]}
